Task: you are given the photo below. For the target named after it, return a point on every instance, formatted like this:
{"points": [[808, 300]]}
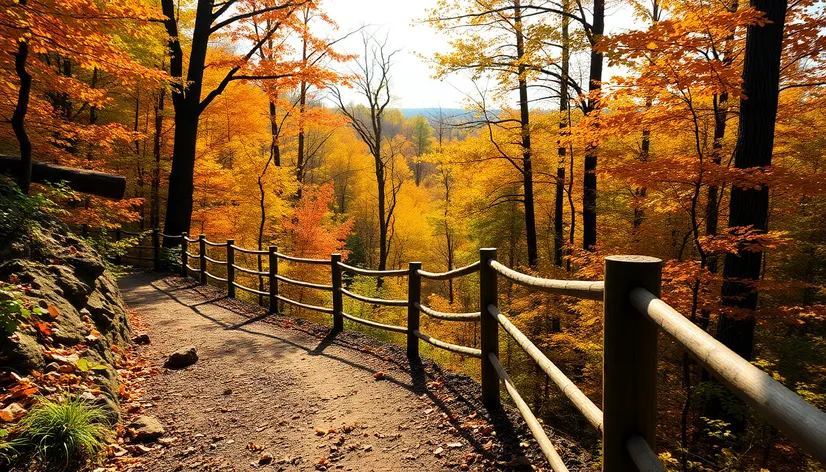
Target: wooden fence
{"points": [[633, 314]]}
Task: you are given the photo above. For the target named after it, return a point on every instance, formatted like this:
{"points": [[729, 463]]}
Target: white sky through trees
{"points": [[412, 83]]}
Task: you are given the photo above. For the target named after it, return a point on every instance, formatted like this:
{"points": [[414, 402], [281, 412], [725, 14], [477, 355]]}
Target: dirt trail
{"points": [[312, 401]]}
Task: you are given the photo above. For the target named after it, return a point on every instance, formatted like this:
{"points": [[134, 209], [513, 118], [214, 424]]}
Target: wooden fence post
{"points": [[273, 280], [156, 249], [230, 268], [118, 258], [202, 257], [489, 327], [338, 302], [629, 385], [414, 296], [184, 249]]}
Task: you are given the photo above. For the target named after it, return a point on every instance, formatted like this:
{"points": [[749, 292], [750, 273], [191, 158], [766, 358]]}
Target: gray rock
{"points": [[183, 357], [141, 338], [145, 428]]}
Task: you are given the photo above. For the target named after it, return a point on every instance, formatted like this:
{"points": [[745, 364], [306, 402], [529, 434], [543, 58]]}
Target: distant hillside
{"points": [[433, 112]]}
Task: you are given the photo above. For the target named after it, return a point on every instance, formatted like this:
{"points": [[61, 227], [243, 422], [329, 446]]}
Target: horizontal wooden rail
{"points": [[251, 290], [130, 233], [303, 305], [375, 273], [469, 269], [142, 247], [643, 456], [215, 261], [572, 288], [302, 260], [193, 269], [801, 422], [374, 324], [194, 256], [170, 236], [261, 252], [249, 271], [581, 401], [458, 349], [375, 301], [215, 277], [190, 240], [214, 244], [302, 283], [533, 424], [440, 315]]}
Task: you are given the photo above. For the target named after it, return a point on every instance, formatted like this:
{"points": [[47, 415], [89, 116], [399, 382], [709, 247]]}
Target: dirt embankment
{"points": [[65, 318]]}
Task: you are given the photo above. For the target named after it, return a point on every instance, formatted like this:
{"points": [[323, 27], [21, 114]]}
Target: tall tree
{"points": [[749, 204], [372, 82], [188, 98]]}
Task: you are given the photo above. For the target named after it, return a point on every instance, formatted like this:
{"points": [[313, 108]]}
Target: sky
{"points": [[412, 84]]}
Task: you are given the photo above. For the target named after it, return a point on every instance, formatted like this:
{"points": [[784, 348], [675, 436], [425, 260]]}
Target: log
{"points": [[80, 180]]}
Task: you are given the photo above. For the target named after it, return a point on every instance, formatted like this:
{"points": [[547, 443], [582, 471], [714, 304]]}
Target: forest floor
{"points": [[282, 387]]}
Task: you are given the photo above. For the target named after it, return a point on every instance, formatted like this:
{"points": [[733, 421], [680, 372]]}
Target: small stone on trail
{"points": [[141, 338], [12, 412], [264, 458], [145, 428], [183, 357], [378, 375]]}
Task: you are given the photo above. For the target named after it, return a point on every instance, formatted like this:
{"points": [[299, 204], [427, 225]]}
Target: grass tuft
{"points": [[65, 432]]}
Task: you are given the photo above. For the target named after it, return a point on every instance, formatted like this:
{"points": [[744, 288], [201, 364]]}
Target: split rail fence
{"points": [[633, 314]]}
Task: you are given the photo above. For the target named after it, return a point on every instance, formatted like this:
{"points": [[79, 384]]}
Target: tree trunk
{"points": [[18, 119], [749, 206], [561, 147], [527, 165], [186, 102], [589, 194], [155, 192]]}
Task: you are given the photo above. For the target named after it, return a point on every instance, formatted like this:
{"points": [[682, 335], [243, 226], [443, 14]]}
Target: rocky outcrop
{"points": [[77, 310]]}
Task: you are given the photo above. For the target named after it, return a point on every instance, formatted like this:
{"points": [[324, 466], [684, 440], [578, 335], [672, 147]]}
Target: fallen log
{"points": [[80, 180]]}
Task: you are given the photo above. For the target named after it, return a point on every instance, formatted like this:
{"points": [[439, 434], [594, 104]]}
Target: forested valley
{"points": [[693, 133]]}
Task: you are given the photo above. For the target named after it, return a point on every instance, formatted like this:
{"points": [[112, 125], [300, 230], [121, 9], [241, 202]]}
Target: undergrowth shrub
{"points": [[61, 434]]}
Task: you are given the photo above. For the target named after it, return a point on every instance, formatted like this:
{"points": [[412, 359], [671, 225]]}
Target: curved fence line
{"points": [[215, 277], [476, 316], [214, 261], [643, 456], [250, 251], [251, 290], [785, 410], [374, 324], [302, 260], [170, 236], [573, 288], [303, 305], [214, 244], [248, 271], [458, 349], [533, 424], [377, 273], [468, 269], [581, 401], [375, 301], [302, 283], [630, 332]]}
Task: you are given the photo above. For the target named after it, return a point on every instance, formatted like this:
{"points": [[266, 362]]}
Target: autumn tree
{"points": [[372, 82], [211, 19]]}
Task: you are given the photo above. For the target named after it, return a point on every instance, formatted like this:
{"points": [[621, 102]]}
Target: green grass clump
{"points": [[64, 433]]}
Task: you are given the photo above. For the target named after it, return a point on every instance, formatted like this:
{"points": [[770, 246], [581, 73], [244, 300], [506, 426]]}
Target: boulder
{"points": [[183, 357], [141, 338], [145, 428]]}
